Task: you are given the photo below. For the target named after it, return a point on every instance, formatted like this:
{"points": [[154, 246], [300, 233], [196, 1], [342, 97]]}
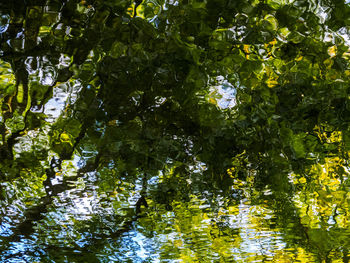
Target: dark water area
{"points": [[174, 131]]}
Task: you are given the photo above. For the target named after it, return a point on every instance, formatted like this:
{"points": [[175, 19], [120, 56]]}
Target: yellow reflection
{"points": [[322, 198]]}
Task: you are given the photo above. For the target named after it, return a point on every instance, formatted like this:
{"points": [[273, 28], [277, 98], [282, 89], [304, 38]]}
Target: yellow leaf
{"points": [[64, 137], [302, 180], [332, 51], [271, 83], [299, 58], [246, 49], [20, 94]]}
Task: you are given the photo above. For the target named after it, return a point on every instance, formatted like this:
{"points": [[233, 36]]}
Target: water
{"points": [[182, 131], [85, 220]]}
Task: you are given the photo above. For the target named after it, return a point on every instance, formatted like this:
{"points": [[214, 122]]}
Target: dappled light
{"points": [[174, 131]]}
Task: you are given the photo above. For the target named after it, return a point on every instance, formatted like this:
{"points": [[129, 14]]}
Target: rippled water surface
{"points": [[174, 131]]}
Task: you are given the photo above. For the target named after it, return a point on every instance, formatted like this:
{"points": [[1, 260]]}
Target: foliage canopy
{"points": [[168, 107]]}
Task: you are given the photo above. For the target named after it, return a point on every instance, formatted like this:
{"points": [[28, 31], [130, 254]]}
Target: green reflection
{"points": [[174, 131]]}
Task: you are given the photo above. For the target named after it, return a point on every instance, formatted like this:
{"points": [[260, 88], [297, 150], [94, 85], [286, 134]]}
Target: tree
{"points": [[196, 95]]}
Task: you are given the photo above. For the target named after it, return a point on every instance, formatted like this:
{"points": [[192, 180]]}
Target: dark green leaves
{"points": [[150, 105]]}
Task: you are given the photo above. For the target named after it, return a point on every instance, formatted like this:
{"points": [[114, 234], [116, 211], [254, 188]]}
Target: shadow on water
{"points": [[174, 131]]}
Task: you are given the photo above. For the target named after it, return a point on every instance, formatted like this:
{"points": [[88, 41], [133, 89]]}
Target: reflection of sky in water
{"points": [[4, 23], [17, 253], [55, 105], [5, 227], [144, 247], [256, 240], [85, 202], [224, 93], [47, 75], [41, 70], [62, 95]]}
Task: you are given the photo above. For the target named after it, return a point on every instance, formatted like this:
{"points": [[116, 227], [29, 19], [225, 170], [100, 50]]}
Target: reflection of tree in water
{"points": [[168, 123]]}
